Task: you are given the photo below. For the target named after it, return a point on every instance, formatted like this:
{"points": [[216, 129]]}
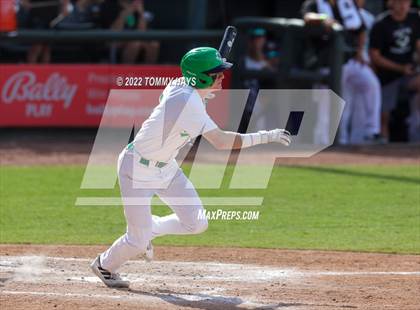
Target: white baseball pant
{"points": [[362, 112], [138, 184]]}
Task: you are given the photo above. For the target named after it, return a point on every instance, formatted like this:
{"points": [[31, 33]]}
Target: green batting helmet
{"points": [[199, 62]]}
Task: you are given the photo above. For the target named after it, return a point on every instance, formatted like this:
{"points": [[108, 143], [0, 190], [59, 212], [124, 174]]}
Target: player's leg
{"points": [[364, 97], [361, 99], [133, 242], [130, 51], [183, 199], [348, 96], [414, 119], [151, 52], [34, 53], [372, 101], [389, 102], [137, 212]]}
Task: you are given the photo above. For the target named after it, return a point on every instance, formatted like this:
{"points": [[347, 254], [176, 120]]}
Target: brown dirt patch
{"points": [[58, 277], [73, 146]]}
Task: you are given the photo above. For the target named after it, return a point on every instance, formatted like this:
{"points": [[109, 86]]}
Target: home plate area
{"points": [[42, 282]]}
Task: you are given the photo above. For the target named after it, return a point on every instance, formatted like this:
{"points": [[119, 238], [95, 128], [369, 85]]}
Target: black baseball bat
{"points": [[227, 41]]}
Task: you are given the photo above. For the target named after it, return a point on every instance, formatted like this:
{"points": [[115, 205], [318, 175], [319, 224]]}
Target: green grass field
{"points": [[364, 208]]}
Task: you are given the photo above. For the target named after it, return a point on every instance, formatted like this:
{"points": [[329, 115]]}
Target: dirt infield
{"points": [[73, 146], [58, 277]]}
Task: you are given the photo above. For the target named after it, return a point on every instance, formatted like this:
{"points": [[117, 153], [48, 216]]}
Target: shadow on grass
{"points": [[402, 150], [345, 172]]}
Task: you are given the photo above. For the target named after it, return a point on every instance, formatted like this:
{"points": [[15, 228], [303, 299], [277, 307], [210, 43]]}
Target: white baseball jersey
{"points": [[179, 117]]}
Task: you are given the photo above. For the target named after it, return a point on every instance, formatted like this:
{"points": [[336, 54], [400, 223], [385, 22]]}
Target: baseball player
{"points": [[147, 166], [361, 88]]}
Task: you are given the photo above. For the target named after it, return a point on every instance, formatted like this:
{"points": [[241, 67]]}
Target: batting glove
{"points": [[263, 137], [281, 136]]}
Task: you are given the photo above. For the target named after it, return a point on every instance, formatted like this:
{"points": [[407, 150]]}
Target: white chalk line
{"points": [[101, 296], [367, 273], [6, 264]]}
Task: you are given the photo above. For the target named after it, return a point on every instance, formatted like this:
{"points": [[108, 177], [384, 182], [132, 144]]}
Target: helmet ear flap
{"points": [[197, 79], [204, 80]]}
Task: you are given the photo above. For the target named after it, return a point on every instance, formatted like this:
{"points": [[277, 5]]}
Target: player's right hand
{"points": [[277, 135]]}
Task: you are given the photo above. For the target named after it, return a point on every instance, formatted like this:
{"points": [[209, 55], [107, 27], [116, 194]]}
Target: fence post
{"points": [[336, 53]]}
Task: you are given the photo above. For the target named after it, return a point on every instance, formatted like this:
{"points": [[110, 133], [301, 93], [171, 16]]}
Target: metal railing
{"points": [[82, 36], [108, 35]]}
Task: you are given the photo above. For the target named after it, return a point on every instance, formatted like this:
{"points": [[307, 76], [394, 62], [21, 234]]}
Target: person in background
{"points": [[255, 58], [394, 39], [37, 15], [360, 122], [130, 15]]}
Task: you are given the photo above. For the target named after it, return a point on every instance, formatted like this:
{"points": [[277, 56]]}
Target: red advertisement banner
{"points": [[75, 95]]}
